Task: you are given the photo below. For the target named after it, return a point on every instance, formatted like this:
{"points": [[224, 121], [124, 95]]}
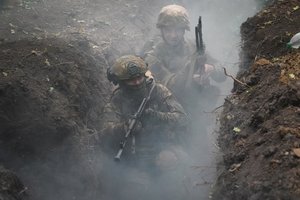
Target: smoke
{"points": [[195, 176], [221, 22]]}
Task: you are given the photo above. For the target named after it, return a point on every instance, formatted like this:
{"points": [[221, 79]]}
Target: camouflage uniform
{"points": [[174, 66], [163, 123], [159, 155]]}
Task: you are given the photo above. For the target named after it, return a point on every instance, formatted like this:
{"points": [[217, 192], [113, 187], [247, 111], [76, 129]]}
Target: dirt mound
{"points": [[51, 94], [52, 90], [267, 33], [260, 122]]}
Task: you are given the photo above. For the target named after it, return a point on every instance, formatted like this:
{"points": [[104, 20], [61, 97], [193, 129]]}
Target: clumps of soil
{"points": [[260, 134], [267, 33], [260, 122], [51, 94]]}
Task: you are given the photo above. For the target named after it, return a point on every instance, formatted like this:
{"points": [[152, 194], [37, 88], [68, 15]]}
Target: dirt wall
{"points": [[259, 134], [52, 92]]}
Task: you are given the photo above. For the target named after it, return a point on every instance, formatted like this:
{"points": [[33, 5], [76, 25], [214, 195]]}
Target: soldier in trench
{"points": [[158, 134], [173, 62]]}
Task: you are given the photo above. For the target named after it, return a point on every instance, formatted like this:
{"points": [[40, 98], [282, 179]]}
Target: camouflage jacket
{"points": [[168, 125], [165, 62], [174, 67]]}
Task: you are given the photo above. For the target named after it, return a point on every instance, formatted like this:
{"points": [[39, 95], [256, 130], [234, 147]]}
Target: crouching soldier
{"points": [[154, 143]]}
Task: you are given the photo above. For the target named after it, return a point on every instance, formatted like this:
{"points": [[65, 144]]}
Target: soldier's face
{"points": [[135, 83], [172, 35]]}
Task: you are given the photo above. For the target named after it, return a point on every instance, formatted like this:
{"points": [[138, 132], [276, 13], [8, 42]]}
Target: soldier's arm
{"points": [[112, 128], [111, 120], [174, 113]]}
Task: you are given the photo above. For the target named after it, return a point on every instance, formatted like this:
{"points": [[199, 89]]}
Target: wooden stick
{"points": [[240, 82]]}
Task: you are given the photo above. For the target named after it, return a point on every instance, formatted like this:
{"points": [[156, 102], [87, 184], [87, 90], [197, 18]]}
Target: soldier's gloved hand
{"points": [[137, 127], [156, 115], [202, 78], [151, 113]]}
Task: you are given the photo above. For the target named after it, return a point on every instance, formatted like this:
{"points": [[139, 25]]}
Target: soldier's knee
{"points": [[166, 160]]}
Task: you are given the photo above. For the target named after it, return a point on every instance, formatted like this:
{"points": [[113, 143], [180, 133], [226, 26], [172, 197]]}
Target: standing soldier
{"points": [[175, 64]]}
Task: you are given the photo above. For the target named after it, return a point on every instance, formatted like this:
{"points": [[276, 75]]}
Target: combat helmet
{"points": [[125, 68], [173, 15]]}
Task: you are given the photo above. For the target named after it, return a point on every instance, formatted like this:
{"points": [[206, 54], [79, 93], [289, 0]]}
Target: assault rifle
{"points": [[200, 47], [200, 50], [132, 123], [199, 40]]}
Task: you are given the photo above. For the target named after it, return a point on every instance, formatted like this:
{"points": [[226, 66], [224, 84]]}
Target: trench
{"points": [[221, 25], [39, 169]]}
